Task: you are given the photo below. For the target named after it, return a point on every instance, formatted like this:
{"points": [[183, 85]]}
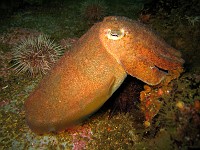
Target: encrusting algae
{"points": [[150, 97]]}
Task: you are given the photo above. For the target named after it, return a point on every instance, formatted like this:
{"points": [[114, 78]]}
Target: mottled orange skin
{"points": [[87, 75]]}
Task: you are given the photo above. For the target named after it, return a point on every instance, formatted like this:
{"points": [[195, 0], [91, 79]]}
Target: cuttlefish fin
{"points": [[143, 70]]}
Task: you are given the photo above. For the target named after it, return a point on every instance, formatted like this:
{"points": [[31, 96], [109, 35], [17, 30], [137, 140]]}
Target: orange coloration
{"points": [[142, 95], [173, 74], [109, 129], [150, 103], [197, 105], [144, 52], [160, 92], [88, 74], [147, 124], [147, 88]]}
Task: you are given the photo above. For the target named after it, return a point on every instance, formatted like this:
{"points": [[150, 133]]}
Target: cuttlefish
{"points": [[88, 74]]}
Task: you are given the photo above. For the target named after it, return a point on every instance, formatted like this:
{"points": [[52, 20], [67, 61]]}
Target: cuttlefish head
{"points": [[141, 52]]}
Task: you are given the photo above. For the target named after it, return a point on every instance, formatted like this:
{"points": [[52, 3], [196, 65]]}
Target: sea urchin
{"points": [[35, 55], [93, 10]]}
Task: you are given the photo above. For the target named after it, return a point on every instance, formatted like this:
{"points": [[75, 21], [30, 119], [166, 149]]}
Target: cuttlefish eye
{"points": [[115, 34]]}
